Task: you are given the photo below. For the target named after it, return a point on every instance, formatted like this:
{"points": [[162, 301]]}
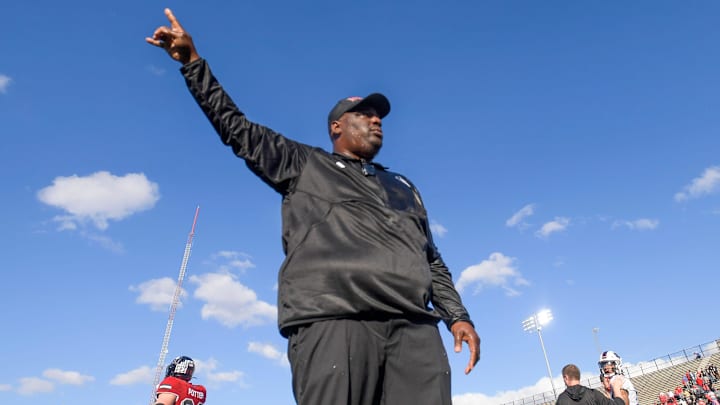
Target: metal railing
{"points": [[634, 370]]}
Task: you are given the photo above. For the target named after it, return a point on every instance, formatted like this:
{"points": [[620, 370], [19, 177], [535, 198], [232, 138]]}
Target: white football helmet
{"points": [[610, 364]]}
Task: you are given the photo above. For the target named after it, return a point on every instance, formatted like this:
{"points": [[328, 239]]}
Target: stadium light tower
{"points": [[535, 324], [597, 341]]}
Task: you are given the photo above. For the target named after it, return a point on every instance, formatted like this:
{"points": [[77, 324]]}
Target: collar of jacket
{"points": [[351, 159]]}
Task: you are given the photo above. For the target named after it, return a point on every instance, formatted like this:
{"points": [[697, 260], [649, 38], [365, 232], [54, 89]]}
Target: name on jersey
{"points": [[196, 394]]}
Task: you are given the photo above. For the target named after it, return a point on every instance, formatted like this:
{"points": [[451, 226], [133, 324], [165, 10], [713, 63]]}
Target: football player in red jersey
{"points": [[176, 388]]}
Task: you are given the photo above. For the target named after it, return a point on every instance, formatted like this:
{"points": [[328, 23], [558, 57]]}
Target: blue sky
{"points": [[567, 153]]}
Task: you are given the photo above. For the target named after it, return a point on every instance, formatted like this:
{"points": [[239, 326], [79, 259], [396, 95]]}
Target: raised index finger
{"points": [[174, 23]]}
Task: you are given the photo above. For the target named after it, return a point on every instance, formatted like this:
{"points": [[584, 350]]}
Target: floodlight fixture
{"points": [[534, 324]]}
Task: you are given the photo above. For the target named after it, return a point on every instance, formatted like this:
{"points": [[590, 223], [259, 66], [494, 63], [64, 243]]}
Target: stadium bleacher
{"points": [[664, 380], [661, 374]]}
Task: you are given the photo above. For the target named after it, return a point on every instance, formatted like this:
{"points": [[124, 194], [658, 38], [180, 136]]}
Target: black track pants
{"points": [[354, 362]]}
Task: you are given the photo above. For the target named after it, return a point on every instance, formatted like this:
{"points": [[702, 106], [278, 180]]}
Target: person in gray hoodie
{"points": [[576, 394]]}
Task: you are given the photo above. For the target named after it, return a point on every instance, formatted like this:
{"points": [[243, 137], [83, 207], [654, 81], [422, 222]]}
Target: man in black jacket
{"points": [[576, 394], [363, 286]]}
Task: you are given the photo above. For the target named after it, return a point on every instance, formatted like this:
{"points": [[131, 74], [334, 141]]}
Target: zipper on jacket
{"points": [[367, 168]]}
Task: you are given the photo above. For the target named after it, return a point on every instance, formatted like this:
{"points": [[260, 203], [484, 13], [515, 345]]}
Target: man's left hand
{"points": [[464, 332]]}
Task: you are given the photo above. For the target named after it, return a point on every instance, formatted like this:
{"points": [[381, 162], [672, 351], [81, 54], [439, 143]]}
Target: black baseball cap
{"points": [[377, 101]]}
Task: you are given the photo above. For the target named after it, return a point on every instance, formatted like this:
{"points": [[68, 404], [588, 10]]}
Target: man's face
{"points": [[609, 368], [358, 134]]}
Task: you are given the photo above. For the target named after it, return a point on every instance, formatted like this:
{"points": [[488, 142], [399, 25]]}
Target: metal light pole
{"points": [[535, 324], [597, 341]]}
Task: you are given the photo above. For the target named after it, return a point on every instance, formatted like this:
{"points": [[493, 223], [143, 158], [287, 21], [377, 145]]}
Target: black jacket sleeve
{"points": [[276, 159], [445, 298]]}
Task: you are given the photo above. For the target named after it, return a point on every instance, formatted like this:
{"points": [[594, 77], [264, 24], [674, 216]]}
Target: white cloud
{"points": [[517, 218], [707, 183], [559, 224], [158, 293], [34, 385], [437, 229], [140, 375], [65, 222], [99, 198], [230, 302], [67, 377], [5, 387], [264, 349], [206, 366], [157, 71], [235, 260], [497, 271], [640, 224], [104, 241], [208, 369], [227, 376], [269, 352], [4, 83]]}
